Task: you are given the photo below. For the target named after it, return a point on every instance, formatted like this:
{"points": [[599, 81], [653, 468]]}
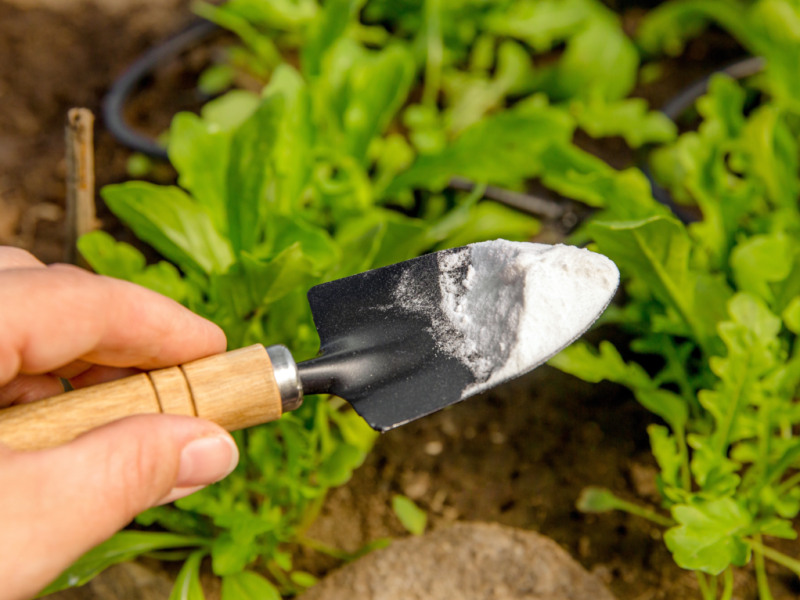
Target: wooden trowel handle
{"points": [[235, 390]]}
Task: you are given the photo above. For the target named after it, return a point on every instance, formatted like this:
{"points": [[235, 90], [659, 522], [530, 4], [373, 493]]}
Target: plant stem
{"points": [[704, 589], [775, 556], [761, 573], [788, 484], [435, 51], [727, 591], [683, 449], [324, 548], [645, 513]]}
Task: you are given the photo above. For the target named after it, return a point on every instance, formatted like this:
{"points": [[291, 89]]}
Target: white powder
{"points": [[507, 307]]}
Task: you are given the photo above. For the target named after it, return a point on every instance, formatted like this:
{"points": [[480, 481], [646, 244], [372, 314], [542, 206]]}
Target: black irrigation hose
{"points": [[563, 214], [114, 102], [676, 106]]}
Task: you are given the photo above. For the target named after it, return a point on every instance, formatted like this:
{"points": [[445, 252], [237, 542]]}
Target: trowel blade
{"points": [[403, 341]]}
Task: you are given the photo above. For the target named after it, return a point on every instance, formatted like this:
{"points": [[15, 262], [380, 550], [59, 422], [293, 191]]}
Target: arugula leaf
{"points": [[123, 547], [657, 250], [187, 585], [503, 149], [171, 222], [708, 537], [294, 162], [378, 85], [413, 518], [628, 118], [199, 151], [325, 30], [248, 586], [250, 171], [107, 256], [761, 260]]}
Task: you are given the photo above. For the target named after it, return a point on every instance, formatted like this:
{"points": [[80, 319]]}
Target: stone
{"points": [[467, 561]]}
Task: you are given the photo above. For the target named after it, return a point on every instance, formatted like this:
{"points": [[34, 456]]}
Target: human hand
{"points": [[56, 504]]}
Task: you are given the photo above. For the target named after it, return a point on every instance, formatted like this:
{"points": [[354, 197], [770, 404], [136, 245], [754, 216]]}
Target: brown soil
{"points": [[519, 456]]}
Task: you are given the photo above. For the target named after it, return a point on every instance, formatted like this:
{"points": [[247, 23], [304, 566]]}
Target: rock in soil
{"points": [[466, 561]]}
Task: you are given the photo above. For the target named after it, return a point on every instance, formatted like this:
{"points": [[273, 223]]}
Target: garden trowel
{"points": [[398, 343]]}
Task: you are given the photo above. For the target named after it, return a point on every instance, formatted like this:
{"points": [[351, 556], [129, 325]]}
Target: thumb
{"points": [[57, 504]]}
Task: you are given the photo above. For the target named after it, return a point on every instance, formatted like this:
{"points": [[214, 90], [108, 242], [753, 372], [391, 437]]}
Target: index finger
{"points": [[52, 316]]}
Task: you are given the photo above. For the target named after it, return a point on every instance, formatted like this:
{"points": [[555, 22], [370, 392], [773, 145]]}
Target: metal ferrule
{"points": [[287, 377]]}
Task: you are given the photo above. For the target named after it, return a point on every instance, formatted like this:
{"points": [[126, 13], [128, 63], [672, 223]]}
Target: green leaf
{"points": [[199, 152], [772, 150], [187, 585], [231, 556], [295, 138], [627, 118], [378, 87], [656, 250], [250, 171], [228, 112], [665, 449], [413, 518], [471, 96], [791, 316], [118, 259], [580, 361], [492, 220], [337, 469], [324, 31], [503, 149], [761, 260], [355, 430], [317, 245], [248, 586], [596, 500], [708, 537], [123, 547], [261, 45], [302, 578], [216, 79], [171, 222], [110, 257]]}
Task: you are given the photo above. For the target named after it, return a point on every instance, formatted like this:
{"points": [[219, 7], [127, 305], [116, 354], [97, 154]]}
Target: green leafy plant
{"points": [[343, 164], [718, 302], [413, 518]]}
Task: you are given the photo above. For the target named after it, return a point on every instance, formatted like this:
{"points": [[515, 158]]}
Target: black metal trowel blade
{"points": [[380, 358], [387, 337]]}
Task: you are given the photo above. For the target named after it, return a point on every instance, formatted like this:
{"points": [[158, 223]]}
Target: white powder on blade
{"points": [[506, 307]]}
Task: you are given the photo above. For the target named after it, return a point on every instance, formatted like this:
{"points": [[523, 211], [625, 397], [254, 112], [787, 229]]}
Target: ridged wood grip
{"points": [[235, 390]]}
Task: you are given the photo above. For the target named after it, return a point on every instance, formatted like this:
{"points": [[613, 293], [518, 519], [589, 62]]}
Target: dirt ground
{"points": [[519, 456]]}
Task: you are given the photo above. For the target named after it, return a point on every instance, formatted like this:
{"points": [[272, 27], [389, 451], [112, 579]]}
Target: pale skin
{"points": [[63, 322]]}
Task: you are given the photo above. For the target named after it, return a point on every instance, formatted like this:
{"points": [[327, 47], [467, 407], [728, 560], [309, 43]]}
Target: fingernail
{"points": [[206, 460], [178, 493]]}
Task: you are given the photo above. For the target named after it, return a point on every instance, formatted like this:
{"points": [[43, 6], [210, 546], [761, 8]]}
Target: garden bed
{"points": [[474, 461]]}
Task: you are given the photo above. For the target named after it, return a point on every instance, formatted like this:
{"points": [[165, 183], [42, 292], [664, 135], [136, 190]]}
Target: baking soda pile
{"points": [[507, 307]]}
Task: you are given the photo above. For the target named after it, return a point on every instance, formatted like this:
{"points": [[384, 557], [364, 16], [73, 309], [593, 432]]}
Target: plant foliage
{"points": [[342, 164], [717, 301]]}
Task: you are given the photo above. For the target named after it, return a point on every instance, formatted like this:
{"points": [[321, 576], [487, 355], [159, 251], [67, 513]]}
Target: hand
{"points": [[56, 504]]}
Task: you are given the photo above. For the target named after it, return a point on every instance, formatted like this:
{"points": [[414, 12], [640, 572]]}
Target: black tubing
{"points": [[114, 102], [676, 106]]}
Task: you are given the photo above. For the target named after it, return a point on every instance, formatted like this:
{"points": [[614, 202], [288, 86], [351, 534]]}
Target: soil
{"points": [[518, 456]]}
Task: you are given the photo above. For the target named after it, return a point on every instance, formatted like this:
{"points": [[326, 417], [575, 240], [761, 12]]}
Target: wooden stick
{"points": [[81, 213]]}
